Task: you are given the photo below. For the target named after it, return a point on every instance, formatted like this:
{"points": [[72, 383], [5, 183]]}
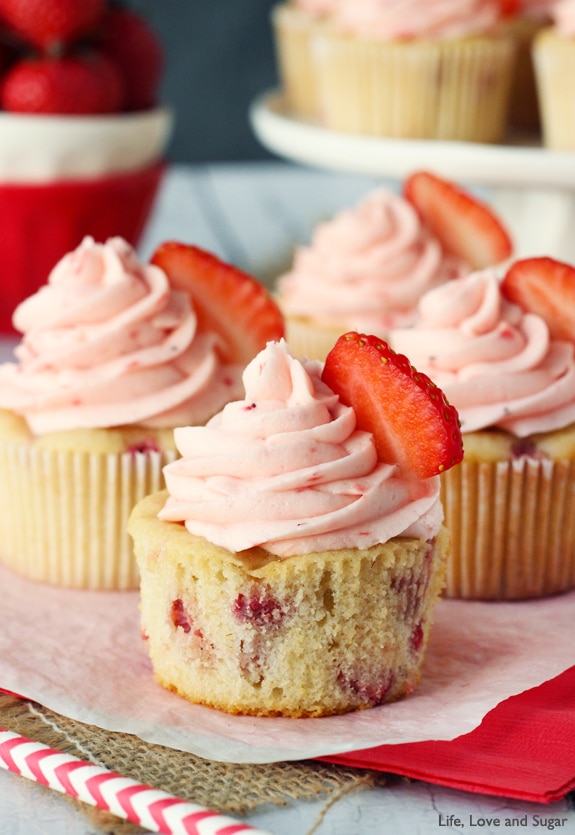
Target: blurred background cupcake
{"points": [[503, 352], [525, 20], [82, 135], [554, 60], [415, 70], [366, 268], [295, 24]]}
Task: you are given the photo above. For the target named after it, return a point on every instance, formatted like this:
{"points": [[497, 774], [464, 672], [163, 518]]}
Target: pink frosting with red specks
{"points": [[367, 267], [286, 469], [563, 16], [108, 342], [391, 20], [495, 363]]}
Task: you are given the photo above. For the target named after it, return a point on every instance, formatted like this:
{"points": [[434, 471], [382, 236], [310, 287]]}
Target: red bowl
{"points": [[39, 224]]}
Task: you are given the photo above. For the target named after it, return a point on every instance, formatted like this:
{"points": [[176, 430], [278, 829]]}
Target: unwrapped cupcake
{"points": [[294, 562], [415, 70], [504, 354], [114, 354], [366, 268]]}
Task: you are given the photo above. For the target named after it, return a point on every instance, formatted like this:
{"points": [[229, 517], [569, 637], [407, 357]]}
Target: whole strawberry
{"points": [[44, 23], [87, 84], [128, 39]]}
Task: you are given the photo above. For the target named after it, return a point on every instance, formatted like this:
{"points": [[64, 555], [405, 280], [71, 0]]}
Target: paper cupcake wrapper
{"points": [[294, 32], [554, 61], [512, 528], [456, 89], [312, 341], [64, 514], [523, 103]]}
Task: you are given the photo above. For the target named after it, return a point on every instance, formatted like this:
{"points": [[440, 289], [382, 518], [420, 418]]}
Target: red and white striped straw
{"points": [[151, 808]]}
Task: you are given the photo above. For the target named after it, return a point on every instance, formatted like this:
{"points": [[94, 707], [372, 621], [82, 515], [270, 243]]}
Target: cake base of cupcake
{"points": [[311, 635]]}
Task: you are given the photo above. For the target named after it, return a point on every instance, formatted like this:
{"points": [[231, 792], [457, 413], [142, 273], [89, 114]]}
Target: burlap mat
{"points": [[227, 788]]}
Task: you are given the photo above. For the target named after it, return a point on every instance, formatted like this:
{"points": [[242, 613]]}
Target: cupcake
{"points": [[82, 135], [415, 70], [366, 268], [294, 25], [554, 61], [523, 24], [114, 354], [292, 566], [503, 352]]}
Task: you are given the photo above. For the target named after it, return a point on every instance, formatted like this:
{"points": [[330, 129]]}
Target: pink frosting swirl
{"points": [[391, 20], [367, 267], [286, 469], [316, 8], [107, 342], [495, 363], [563, 16]]}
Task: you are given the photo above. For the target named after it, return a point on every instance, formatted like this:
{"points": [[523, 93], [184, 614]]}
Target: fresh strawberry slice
{"points": [[547, 287], [464, 225], [226, 300], [409, 417]]}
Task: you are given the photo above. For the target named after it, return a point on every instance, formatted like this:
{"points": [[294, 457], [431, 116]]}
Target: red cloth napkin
{"points": [[523, 749]]}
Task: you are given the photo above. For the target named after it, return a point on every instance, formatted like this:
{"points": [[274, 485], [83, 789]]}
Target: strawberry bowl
{"points": [[65, 177], [83, 137]]}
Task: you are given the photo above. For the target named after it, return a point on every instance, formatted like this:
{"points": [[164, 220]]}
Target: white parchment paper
{"points": [[80, 654]]}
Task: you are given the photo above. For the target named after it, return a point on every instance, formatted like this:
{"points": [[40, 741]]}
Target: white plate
{"points": [[306, 142]]}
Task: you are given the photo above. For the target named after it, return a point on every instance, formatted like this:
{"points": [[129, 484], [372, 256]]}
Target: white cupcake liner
{"points": [[554, 62], [450, 89], [64, 514], [294, 33], [306, 339], [512, 528]]}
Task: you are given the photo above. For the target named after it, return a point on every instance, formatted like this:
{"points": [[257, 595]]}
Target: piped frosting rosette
{"points": [[107, 342], [364, 270], [507, 511], [110, 360], [496, 363], [286, 469]]}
